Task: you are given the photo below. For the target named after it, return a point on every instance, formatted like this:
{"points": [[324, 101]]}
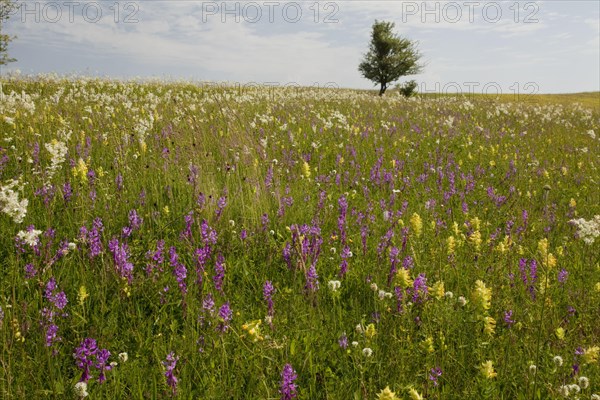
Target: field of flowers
{"points": [[200, 241]]}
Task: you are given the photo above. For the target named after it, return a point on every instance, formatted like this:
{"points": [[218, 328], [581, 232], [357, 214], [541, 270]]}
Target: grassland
{"points": [[175, 240]]}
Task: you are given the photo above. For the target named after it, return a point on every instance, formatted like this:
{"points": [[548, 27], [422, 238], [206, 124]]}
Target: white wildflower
{"points": [[588, 231], [558, 361], [123, 357], [334, 285], [30, 237], [81, 389], [367, 352], [584, 382]]}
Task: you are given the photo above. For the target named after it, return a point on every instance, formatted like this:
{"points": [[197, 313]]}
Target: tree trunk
{"points": [[383, 88]]}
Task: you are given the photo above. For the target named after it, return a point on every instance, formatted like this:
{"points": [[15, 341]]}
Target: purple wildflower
{"points": [[219, 273], [343, 341], [287, 387], [563, 275], [225, 314], [170, 363], [508, 318], [268, 291], [434, 374], [179, 270]]}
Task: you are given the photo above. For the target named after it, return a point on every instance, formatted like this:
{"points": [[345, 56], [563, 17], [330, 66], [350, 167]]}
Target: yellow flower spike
{"points": [[598, 287], [82, 294], [403, 278], [451, 245], [560, 333], [414, 395], [386, 394], [427, 345], [487, 369], [489, 326], [416, 224], [370, 332], [305, 170], [482, 296], [590, 355], [437, 290], [166, 210]]}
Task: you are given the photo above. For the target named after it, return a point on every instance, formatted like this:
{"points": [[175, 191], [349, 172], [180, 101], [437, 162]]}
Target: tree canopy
{"points": [[389, 57]]}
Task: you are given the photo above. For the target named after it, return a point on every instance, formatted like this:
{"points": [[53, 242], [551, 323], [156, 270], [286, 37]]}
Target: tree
{"points": [[390, 57], [6, 8]]}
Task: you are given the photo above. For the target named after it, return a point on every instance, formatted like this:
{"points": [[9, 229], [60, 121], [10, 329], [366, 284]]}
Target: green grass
{"points": [[494, 185]]}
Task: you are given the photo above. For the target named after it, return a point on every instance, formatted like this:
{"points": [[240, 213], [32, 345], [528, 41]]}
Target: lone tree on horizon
{"points": [[389, 57]]}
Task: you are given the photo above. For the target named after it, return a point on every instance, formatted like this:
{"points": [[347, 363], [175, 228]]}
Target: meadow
{"points": [[178, 240]]}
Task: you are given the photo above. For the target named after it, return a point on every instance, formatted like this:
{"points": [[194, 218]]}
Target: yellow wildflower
{"points": [[416, 224], [487, 369], [305, 170], [414, 395], [82, 294], [370, 332], [437, 290], [387, 394], [560, 333], [253, 329], [451, 244], [482, 296], [403, 278], [590, 355], [489, 325]]}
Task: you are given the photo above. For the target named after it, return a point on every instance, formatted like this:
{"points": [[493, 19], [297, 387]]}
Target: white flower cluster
{"points": [[10, 204], [588, 231], [58, 151], [30, 237]]}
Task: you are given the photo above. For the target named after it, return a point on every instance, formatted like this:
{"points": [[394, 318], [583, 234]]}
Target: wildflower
{"points": [[225, 315], [268, 291], [343, 341], [334, 285], [354, 343], [434, 374], [562, 276], [437, 290], [414, 395], [170, 363], [370, 332], [560, 333], [287, 387], [487, 369], [590, 355], [253, 329], [82, 294], [588, 231], [482, 296], [10, 204], [462, 301], [30, 236], [305, 170], [123, 357], [451, 245], [386, 394], [575, 388], [367, 352], [596, 397], [81, 389], [489, 325], [508, 318], [416, 224], [584, 382], [532, 369], [564, 390], [558, 361]]}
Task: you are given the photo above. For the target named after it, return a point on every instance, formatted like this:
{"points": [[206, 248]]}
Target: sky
{"points": [[466, 46]]}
